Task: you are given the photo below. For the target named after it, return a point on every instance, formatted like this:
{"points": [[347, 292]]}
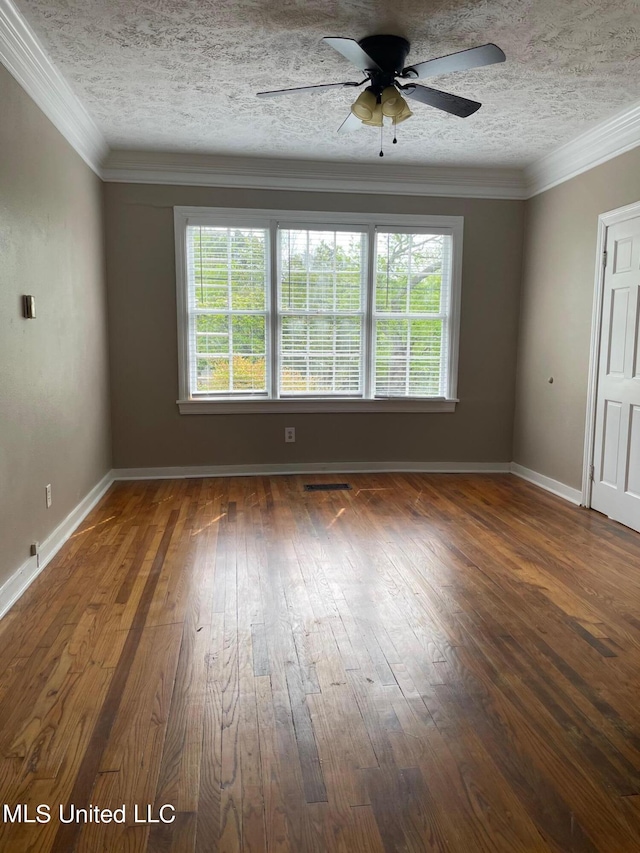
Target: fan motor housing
{"points": [[390, 52]]}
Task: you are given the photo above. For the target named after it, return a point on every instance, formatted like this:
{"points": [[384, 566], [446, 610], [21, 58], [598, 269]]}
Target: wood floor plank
{"points": [[231, 768], [179, 778], [209, 791], [274, 784]]}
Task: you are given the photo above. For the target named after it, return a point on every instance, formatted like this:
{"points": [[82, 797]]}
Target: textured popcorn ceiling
{"points": [[181, 75]]}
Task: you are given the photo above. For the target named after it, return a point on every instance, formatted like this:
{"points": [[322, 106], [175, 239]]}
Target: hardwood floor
{"points": [[423, 663]]}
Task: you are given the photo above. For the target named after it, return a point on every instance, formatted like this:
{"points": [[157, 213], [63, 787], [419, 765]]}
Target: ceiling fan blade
{"points": [[349, 124], [475, 57], [453, 104], [352, 51], [301, 89]]}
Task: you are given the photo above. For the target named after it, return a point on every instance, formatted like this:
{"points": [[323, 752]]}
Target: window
{"points": [[321, 305], [411, 314], [286, 311], [227, 275]]}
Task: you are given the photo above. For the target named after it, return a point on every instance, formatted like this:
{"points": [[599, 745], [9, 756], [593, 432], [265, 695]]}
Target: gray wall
{"points": [[147, 427], [54, 410], [556, 308]]}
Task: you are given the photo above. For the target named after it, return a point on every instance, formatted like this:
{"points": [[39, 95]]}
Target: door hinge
{"points": [[604, 258], [591, 472]]}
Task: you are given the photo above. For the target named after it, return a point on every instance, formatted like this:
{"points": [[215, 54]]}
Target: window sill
{"points": [[320, 405]]}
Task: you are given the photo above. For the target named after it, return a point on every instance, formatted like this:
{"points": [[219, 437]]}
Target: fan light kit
{"points": [[382, 59]]}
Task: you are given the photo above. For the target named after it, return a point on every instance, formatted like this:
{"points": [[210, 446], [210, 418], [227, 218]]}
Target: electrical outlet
{"points": [[289, 434], [48, 494], [35, 549]]}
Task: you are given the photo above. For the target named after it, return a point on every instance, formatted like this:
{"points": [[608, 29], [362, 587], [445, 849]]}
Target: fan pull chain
{"points": [[381, 151], [395, 133]]}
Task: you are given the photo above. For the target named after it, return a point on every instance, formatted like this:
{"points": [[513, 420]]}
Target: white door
{"points": [[616, 459]]}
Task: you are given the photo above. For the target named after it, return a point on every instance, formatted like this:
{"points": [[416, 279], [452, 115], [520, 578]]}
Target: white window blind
{"points": [[411, 314], [227, 278], [321, 298]]}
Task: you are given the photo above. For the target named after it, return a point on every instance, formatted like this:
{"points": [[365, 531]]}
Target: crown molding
{"points": [[24, 57], [320, 176], [606, 140]]}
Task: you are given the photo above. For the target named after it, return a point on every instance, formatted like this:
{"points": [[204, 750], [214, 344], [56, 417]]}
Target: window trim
{"points": [[270, 220]]}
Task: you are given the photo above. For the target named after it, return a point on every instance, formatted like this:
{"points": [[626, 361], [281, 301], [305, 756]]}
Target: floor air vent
{"points": [[326, 487]]}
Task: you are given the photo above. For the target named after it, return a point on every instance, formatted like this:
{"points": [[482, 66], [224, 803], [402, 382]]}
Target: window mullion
{"points": [[409, 274], [408, 362], [274, 314], [192, 321], [335, 306], [368, 342], [307, 357]]}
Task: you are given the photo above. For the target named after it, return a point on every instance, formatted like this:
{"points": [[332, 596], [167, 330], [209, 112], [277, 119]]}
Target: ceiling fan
{"points": [[382, 59]]}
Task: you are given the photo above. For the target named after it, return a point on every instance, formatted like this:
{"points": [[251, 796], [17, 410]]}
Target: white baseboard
{"points": [[274, 469], [18, 583], [547, 483]]}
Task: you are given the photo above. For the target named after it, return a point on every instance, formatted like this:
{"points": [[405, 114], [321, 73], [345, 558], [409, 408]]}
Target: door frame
{"points": [[605, 221]]}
